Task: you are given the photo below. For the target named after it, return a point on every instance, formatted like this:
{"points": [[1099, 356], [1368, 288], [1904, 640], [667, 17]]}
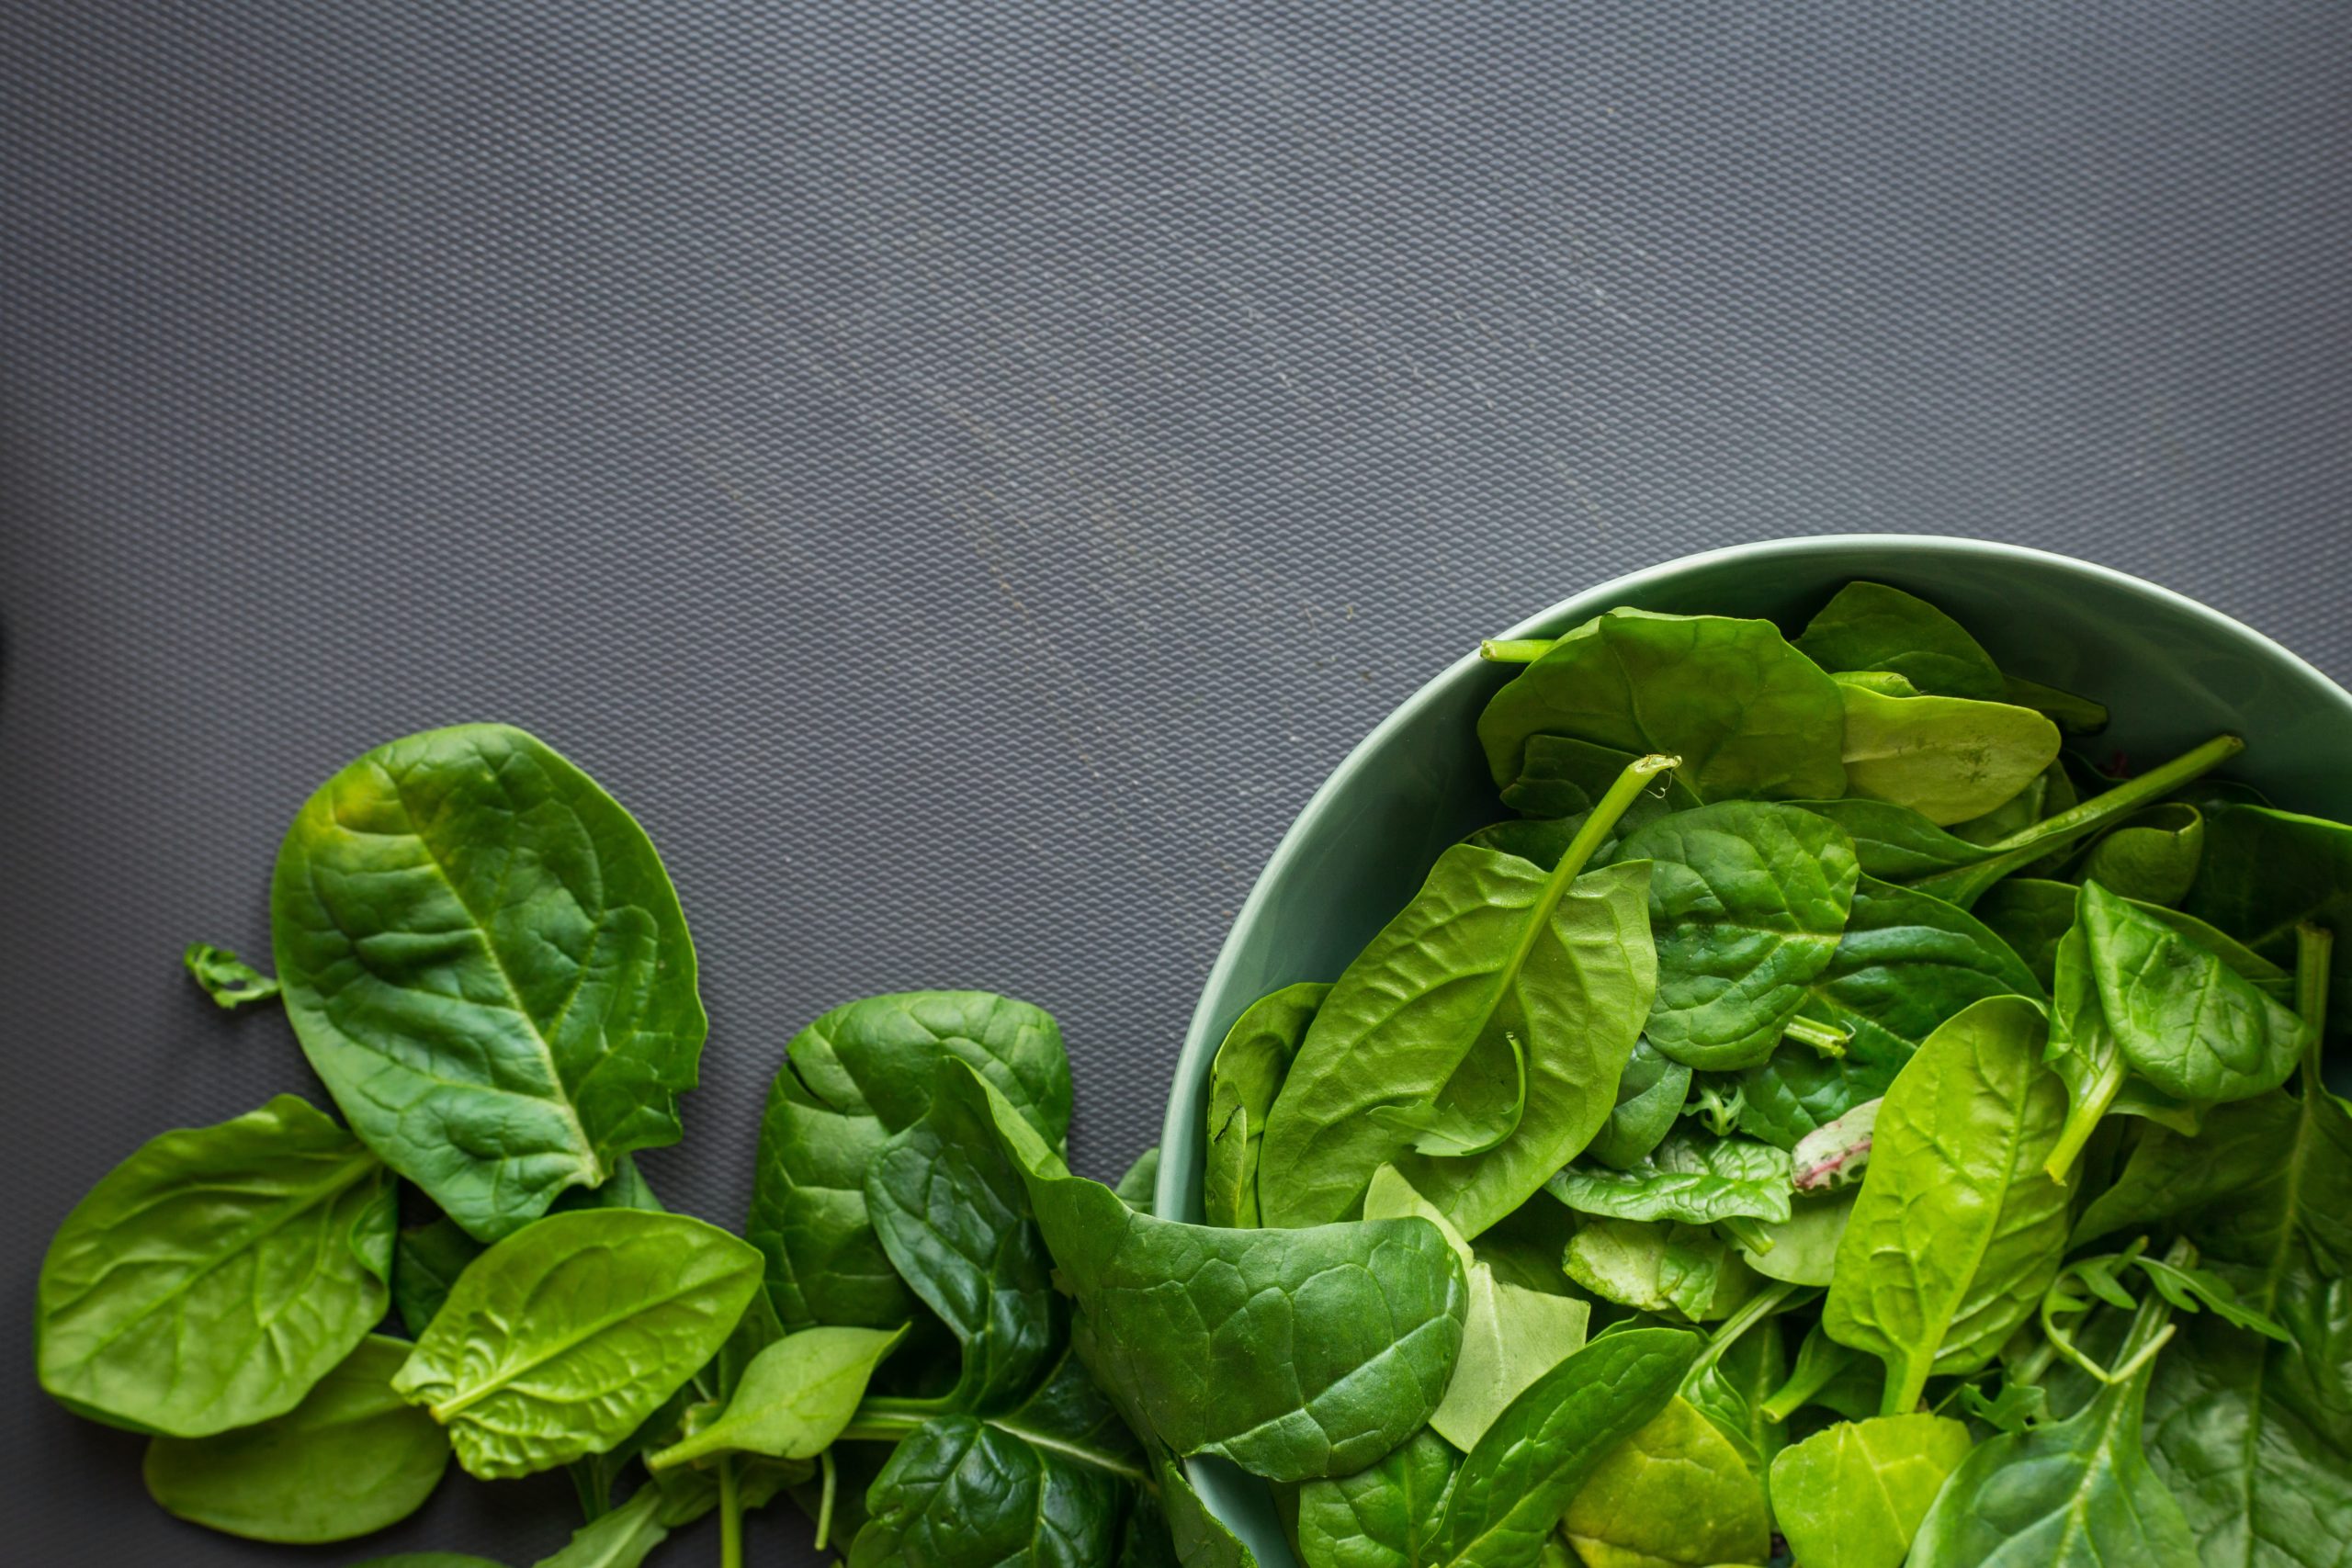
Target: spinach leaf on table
{"points": [[1748, 713], [1868, 626], [1296, 1354], [1243, 1080], [1947, 759], [485, 962], [351, 1459], [1673, 1495], [1748, 901], [1650, 1093], [1957, 1231], [2072, 1494], [1852, 1495], [1493, 962], [213, 1277], [1906, 964], [849, 1082], [792, 1400], [561, 1340], [229, 980], [1691, 1179]]}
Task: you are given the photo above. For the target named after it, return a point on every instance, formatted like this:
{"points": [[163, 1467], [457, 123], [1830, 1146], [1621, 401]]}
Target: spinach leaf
{"points": [[1835, 1377], [351, 1459], [960, 1490], [1489, 948], [1946, 758], [2151, 857], [561, 1340], [1296, 1354], [1248, 1073], [1804, 1249], [1743, 1363], [1894, 843], [1562, 779], [1658, 1267], [1513, 1487], [1834, 1154], [227, 979], [1906, 964], [1694, 1180], [1748, 713], [2073, 1494], [1197, 1538], [209, 1280], [1390, 1514], [2032, 915], [1868, 626], [1957, 1231], [2075, 715], [1852, 1495], [1748, 901], [792, 1401], [2266, 872], [622, 1539], [850, 1081], [485, 962], [1649, 1100], [1673, 1495]]}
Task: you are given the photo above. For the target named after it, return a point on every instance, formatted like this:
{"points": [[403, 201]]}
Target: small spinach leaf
{"points": [[1658, 1267], [2151, 857], [792, 1401], [1691, 1179], [351, 1459], [1650, 1093], [1894, 843], [227, 979], [1248, 1073], [960, 1490], [1135, 1185], [1388, 1515], [1852, 1495], [1562, 779]]}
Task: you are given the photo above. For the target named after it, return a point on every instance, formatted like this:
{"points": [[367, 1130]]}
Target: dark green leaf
{"points": [[1868, 626], [426, 1261], [2032, 915], [2151, 857], [1649, 1100], [351, 1459], [1389, 1515], [209, 1281], [1135, 1187], [960, 1491], [1894, 843], [2075, 715], [485, 961], [1691, 1179], [1561, 779], [2266, 871]]}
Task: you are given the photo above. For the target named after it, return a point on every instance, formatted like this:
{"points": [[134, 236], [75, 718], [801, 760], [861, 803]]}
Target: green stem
{"points": [[1964, 884], [595, 1488], [883, 1419], [2082, 1119], [730, 1517], [1826, 1038], [1515, 650], [2314, 946], [1759, 1307], [825, 1498]]}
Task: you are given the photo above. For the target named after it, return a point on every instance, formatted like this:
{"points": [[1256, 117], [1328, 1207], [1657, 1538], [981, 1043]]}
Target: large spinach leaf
{"points": [[1946, 758], [1493, 962], [1248, 1073], [850, 1081], [209, 1281], [1296, 1354], [561, 1340], [1868, 626], [1852, 1495], [1957, 1231], [2074, 1494], [1673, 1495], [1748, 901], [1906, 964], [1748, 713], [351, 1459], [487, 964]]}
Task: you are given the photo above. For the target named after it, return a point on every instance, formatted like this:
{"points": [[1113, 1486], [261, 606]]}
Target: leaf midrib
{"points": [[445, 1409]]}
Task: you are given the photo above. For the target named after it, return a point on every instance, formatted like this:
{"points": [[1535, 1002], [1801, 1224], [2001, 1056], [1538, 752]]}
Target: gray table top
{"points": [[962, 474]]}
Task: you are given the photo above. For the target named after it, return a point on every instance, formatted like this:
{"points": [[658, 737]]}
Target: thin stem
{"points": [[730, 1516], [825, 1498], [1826, 1038], [2082, 1119], [1759, 1307], [1964, 885], [1515, 650], [2314, 946]]}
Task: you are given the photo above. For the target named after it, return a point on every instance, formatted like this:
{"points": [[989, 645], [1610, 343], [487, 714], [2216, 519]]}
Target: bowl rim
{"points": [[1192, 1058]]}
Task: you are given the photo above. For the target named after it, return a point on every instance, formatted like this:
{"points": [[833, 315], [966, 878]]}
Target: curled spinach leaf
{"points": [[1693, 1179], [229, 980], [1868, 626], [487, 964], [1248, 1073], [212, 1277], [2151, 857]]}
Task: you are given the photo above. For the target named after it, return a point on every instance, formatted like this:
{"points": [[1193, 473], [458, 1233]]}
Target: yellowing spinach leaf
{"points": [[1946, 758], [1748, 901], [351, 1459], [2073, 1494], [960, 1490], [1673, 1495], [1248, 1073], [1868, 626], [1694, 1180], [850, 1081], [1748, 713], [1852, 1495], [1957, 1231], [1489, 948], [1296, 1354], [485, 961], [209, 1280], [792, 1401], [561, 1340]]}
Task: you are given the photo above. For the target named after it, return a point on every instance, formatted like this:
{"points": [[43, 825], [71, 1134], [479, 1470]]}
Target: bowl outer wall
{"points": [[2173, 673]]}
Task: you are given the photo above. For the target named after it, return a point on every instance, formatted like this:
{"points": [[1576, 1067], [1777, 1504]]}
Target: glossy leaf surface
{"points": [[1690, 1177], [793, 1400], [960, 1491]]}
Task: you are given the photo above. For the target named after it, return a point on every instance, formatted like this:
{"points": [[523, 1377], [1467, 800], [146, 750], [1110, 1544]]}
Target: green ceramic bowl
{"points": [[2172, 672]]}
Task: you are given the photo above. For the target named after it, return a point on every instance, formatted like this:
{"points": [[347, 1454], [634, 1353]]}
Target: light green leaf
{"points": [[1673, 1495], [622, 1539], [1804, 1246], [793, 1399], [229, 980], [1852, 1495], [1946, 758], [1248, 1073]]}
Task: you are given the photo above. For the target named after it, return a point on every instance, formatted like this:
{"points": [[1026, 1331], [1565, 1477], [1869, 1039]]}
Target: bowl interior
{"points": [[2173, 673]]}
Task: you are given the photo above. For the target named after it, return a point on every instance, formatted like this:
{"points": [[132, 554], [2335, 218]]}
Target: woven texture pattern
{"points": [[962, 473]]}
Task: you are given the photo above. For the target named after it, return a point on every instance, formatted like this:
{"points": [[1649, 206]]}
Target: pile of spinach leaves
{"points": [[1957, 1098]]}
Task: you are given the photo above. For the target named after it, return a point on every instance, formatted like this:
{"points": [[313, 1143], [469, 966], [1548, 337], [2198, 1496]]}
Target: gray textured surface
{"points": [[963, 474]]}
